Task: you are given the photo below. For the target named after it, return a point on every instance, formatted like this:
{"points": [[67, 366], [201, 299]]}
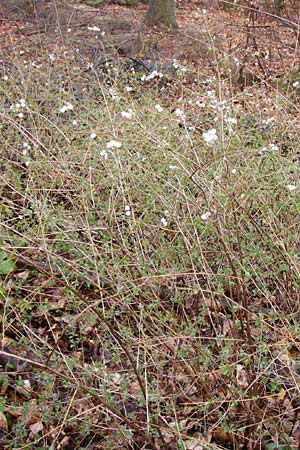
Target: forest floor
{"points": [[261, 40], [149, 229]]}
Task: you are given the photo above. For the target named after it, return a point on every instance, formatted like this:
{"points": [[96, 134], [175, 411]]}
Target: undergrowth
{"points": [[149, 260]]}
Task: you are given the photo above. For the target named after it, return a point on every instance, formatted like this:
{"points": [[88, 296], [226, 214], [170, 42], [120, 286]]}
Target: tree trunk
{"points": [[161, 11]]}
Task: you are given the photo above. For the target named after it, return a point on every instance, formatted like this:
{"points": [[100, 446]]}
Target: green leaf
{"points": [[7, 264]]}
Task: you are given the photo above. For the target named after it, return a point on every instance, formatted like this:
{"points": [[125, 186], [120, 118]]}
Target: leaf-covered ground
{"points": [[149, 255]]}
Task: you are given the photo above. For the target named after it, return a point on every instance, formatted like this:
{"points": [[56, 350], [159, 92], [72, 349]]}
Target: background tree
{"points": [[161, 11]]}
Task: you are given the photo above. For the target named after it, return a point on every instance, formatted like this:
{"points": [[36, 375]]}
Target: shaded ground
{"points": [[213, 39]]}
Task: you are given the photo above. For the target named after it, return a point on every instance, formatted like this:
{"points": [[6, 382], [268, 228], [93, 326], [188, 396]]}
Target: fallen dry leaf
{"points": [[14, 411], [296, 432], [193, 444], [23, 275], [222, 437], [226, 327], [281, 395], [3, 387], [32, 414], [35, 428], [63, 444], [25, 389], [3, 422], [241, 377]]}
